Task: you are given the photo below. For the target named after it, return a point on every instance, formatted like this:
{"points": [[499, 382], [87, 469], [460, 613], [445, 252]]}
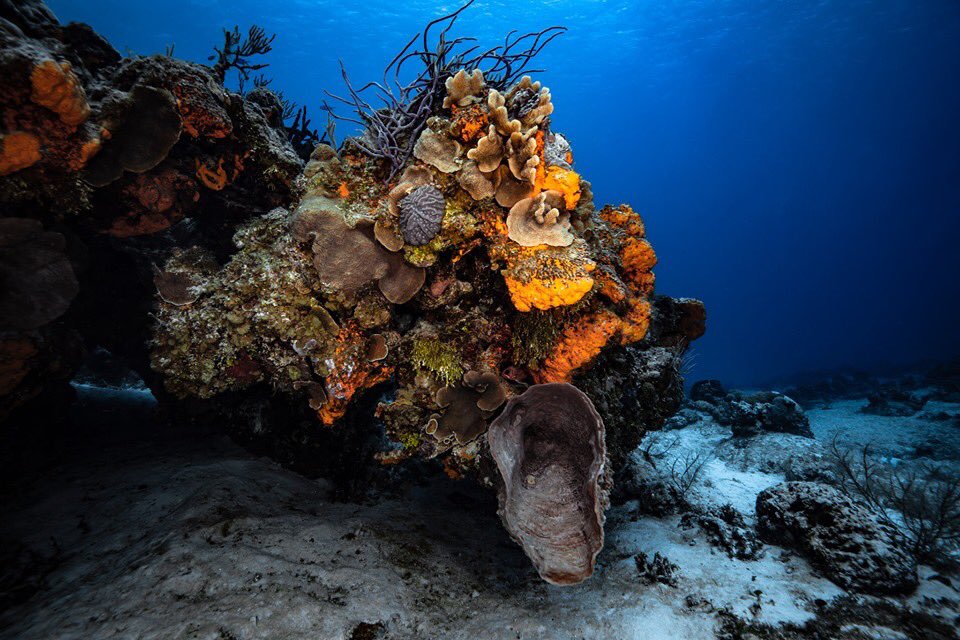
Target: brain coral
{"points": [[421, 212]]}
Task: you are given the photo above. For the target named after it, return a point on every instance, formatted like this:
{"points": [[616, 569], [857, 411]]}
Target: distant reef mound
{"points": [[443, 276]]}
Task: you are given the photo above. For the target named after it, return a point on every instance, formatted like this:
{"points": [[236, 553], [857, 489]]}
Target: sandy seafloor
{"points": [[178, 537]]}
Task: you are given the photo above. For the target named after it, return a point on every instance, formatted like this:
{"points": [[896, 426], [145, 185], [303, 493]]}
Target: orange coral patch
{"points": [[610, 286], [213, 178], [566, 182], [351, 372], [55, 87], [343, 190], [15, 358], [636, 322], [578, 345], [545, 294], [625, 218], [18, 150], [139, 225], [198, 121], [470, 123], [87, 151], [638, 259]]}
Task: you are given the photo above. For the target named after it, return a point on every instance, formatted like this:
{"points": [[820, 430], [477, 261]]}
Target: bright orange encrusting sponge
{"points": [[545, 294], [18, 150], [55, 87], [578, 345], [566, 182]]}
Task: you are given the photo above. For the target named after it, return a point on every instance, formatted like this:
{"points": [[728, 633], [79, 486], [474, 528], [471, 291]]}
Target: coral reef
{"points": [[448, 263]]}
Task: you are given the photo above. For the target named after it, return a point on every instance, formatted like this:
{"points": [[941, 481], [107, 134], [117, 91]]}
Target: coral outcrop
{"points": [[481, 269], [448, 263]]}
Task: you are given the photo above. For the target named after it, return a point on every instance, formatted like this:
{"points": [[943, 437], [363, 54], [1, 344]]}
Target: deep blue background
{"points": [[797, 162]]}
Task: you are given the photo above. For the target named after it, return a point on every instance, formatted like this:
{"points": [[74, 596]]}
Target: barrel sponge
{"points": [[550, 450], [56, 87], [463, 89]]}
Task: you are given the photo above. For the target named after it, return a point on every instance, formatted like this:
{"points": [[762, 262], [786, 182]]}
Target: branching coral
{"points": [[56, 87], [237, 50], [392, 130]]}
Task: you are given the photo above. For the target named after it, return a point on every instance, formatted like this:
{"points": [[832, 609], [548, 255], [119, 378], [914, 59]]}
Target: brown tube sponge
{"points": [[549, 447]]}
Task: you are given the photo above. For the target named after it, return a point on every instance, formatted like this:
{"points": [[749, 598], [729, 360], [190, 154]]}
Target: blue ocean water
{"points": [[797, 162]]}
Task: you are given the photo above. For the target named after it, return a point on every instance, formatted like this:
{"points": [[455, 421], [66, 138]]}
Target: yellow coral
{"points": [[545, 294], [55, 87], [18, 150]]}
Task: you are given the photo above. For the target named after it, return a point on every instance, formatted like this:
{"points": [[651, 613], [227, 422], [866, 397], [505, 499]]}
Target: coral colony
{"points": [[448, 262]]}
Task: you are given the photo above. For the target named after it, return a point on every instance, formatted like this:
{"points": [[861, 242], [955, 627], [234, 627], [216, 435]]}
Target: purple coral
{"points": [[421, 213]]}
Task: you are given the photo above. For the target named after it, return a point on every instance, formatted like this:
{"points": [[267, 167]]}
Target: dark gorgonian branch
{"points": [[237, 51], [393, 113]]}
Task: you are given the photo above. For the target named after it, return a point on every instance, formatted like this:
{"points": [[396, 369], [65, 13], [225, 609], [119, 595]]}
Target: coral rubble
{"points": [[449, 256]]}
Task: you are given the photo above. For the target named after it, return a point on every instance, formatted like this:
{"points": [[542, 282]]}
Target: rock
{"points": [[750, 415], [893, 402], [945, 378], [830, 387], [711, 391], [681, 419], [640, 480], [838, 536], [635, 390], [725, 528], [656, 570]]}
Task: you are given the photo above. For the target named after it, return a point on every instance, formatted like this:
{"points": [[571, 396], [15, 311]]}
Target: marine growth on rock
{"points": [[448, 260]]}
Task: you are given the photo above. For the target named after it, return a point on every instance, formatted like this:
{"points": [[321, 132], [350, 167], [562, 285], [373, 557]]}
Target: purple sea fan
{"points": [[421, 213]]}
